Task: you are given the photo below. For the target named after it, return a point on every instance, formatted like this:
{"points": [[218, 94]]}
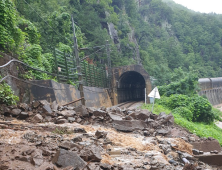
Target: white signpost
{"points": [[154, 94]]}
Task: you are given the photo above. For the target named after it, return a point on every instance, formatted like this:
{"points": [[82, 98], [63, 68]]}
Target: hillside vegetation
{"points": [[169, 37]]}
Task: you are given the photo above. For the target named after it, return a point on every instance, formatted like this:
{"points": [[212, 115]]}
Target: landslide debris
{"points": [[46, 136]]}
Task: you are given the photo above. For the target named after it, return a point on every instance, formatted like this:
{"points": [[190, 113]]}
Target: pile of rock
{"points": [[121, 119], [86, 151]]}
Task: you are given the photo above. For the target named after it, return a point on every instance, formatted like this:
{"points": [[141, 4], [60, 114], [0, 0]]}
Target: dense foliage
{"points": [[172, 40], [6, 94], [170, 37], [195, 108], [182, 85], [200, 129]]}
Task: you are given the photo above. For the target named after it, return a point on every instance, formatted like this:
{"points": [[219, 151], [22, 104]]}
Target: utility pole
{"points": [[109, 62], [138, 54], [78, 64]]}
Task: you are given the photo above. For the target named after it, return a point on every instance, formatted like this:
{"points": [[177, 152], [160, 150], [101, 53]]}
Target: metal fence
{"points": [[65, 66], [67, 71]]}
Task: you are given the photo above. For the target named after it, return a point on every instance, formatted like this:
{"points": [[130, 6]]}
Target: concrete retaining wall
{"points": [[213, 95], [62, 93]]}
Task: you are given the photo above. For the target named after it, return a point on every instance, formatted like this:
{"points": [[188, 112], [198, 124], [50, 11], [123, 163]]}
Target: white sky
{"points": [[204, 6]]}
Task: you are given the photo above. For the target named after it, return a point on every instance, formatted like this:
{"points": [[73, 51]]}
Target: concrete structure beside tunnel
{"points": [[128, 83]]}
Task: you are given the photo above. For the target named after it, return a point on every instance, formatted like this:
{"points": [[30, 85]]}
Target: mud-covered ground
{"points": [[41, 136]]}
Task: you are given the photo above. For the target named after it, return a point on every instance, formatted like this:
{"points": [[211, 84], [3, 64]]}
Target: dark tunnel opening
{"points": [[131, 87]]}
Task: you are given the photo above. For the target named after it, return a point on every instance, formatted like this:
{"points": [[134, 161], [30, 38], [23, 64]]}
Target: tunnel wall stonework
{"points": [[117, 72]]}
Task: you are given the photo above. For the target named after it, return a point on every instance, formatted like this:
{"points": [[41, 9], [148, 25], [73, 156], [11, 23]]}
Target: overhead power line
{"points": [[45, 21]]}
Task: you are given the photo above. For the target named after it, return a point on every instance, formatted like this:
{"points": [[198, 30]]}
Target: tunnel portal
{"points": [[131, 86]]}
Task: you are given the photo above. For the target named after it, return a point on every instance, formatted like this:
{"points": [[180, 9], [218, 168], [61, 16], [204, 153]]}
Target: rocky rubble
{"points": [[50, 137]]}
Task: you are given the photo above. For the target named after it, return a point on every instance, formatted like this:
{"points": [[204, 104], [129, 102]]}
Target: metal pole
{"points": [[78, 64], [56, 63], [154, 98], [145, 95], [109, 62]]}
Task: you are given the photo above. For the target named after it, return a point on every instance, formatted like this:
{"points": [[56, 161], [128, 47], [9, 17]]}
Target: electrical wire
{"points": [[25, 81], [91, 54], [14, 60]]}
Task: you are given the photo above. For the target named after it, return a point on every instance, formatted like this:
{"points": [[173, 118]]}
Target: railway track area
{"points": [[130, 104]]}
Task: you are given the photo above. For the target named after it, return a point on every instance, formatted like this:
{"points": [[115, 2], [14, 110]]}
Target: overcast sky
{"points": [[204, 6]]}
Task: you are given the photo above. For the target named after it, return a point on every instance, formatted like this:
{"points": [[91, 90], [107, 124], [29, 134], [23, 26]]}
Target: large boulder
{"points": [[81, 109], [23, 106], [47, 109], [99, 113], [141, 115], [165, 119], [115, 116], [54, 106], [64, 158], [91, 154], [23, 115], [68, 113], [37, 118], [37, 158], [16, 112]]}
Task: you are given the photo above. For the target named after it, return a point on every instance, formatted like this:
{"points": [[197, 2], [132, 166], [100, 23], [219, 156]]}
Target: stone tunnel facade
{"points": [[129, 83]]}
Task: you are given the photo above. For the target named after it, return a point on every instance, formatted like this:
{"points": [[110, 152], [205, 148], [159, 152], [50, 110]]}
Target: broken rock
{"points": [[23, 115], [54, 106], [23, 106], [98, 113], [61, 121], [36, 157], [35, 104], [44, 102], [79, 130], [162, 131], [37, 118], [141, 115], [71, 119], [100, 134], [82, 110], [64, 158], [129, 126], [68, 145], [68, 113], [115, 116], [91, 154], [16, 112], [47, 109]]}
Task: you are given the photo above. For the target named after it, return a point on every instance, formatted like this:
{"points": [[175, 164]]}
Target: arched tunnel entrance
{"points": [[131, 86]]}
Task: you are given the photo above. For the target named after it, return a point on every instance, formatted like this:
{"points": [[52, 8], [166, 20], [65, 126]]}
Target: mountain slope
{"points": [[164, 36]]}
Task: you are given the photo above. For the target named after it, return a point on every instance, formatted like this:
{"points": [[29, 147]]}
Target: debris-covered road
{"points": [[41, 136]]}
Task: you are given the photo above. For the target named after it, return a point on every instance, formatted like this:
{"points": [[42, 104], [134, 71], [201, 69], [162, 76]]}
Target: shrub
{"points": [[201, 109], [186, 86], [6, 94], [184, 112], [178, 100]]}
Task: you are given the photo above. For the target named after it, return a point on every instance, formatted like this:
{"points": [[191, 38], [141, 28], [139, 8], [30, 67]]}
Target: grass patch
{"points": [[217, 113], [157, 108], [200, 129], [62, 131]]}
